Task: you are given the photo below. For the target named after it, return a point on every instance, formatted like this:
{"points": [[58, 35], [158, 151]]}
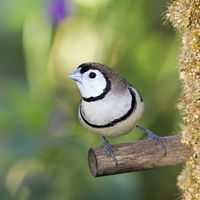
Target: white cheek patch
{"points": [[92, 87]]}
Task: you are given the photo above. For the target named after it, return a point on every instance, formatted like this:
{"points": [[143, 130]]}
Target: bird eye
{"points": [[92, 75]]}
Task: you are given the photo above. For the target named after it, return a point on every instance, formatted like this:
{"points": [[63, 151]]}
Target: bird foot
{"points": [[109, 148], [153, 137]]}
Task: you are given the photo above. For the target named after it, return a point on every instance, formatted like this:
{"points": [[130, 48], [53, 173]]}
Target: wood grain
{"points": [[137, 156]]}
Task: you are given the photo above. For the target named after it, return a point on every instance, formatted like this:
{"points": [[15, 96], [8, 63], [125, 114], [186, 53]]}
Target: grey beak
{"points": [[76, 75]]}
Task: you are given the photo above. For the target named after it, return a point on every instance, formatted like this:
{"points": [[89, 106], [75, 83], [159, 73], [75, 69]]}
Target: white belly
{"points": [[104, 111]]}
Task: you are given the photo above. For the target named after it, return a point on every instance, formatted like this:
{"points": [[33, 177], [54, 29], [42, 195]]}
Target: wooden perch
{"points": [[137, 156]]}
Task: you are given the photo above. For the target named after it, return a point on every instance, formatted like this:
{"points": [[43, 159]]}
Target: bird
{"points": [[110, 106]]}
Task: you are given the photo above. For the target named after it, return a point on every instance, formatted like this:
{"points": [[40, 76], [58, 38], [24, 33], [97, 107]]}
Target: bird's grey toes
{"points": [[109, 148], [156, 139]]}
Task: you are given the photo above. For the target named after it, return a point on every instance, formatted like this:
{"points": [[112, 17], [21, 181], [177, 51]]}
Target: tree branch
{"points": [[137, 156]]}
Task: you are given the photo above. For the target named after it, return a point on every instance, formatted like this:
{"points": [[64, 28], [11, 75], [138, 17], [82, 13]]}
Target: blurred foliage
{"points": [[43, 147]]}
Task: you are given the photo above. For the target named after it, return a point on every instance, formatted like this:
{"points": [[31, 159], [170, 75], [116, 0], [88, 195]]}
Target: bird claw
{"points": [[156, 139], [153, 137], [109, 148]]}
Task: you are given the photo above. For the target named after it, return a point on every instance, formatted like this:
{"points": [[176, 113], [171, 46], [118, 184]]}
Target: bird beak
{"points": [[76, 75]]}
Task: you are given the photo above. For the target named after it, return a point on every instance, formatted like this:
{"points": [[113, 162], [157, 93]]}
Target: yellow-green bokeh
{"points": [[43, 147]]}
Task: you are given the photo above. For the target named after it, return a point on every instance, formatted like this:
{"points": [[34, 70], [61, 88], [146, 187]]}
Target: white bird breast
{"points": [[107, 109]]}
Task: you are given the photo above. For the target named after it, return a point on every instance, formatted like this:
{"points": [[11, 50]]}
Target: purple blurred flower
{"points": [[58, 10]]}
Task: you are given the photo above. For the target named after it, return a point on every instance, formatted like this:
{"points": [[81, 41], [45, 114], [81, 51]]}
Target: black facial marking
{"points": [[84, 68], [102, 95], [114, 122]]}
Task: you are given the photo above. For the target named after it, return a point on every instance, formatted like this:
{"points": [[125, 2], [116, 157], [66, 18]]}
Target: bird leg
{"points": [[153, 137], [109, 148]]}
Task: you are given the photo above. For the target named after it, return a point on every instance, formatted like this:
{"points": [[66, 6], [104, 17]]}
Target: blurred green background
{"points": [[43, 147]]}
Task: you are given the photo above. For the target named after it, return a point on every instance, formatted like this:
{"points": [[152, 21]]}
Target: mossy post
{"points": [[185, 15]]}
